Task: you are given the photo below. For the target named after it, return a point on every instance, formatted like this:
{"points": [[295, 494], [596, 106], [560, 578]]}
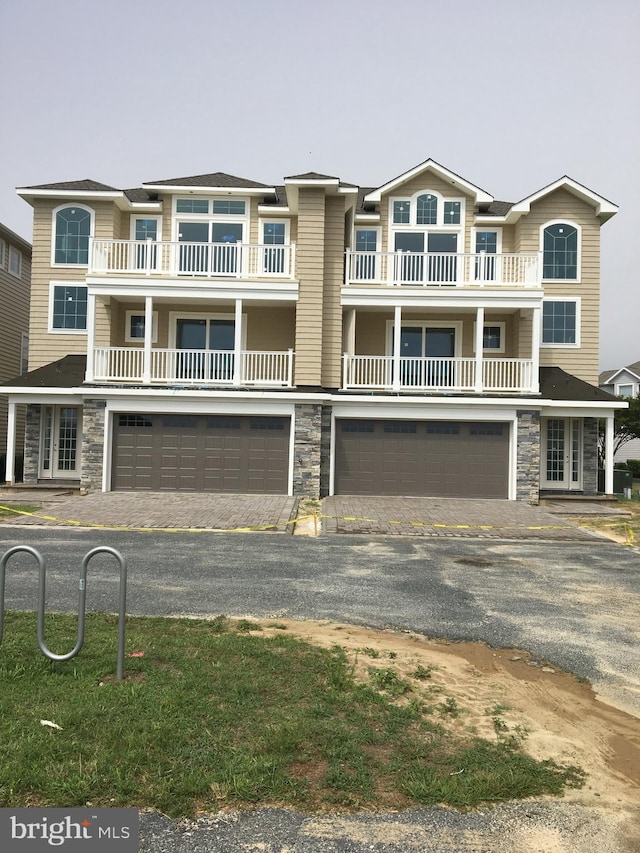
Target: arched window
{"points": [[426, 209], [72, 232], [560, 249]]}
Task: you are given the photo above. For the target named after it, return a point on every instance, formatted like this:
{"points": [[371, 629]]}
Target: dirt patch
{"points": [[555, 715]]}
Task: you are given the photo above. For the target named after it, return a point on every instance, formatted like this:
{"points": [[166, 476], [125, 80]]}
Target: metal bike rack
{"points": [[82, 586]]}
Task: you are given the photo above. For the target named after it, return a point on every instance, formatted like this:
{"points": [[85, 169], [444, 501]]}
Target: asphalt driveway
{"points": [[575, 604]]}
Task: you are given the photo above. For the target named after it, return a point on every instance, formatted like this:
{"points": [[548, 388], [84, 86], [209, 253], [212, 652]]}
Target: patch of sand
{"points": [[561, 715]]}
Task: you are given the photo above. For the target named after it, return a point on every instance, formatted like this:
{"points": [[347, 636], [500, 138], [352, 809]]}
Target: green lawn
{"points": [[215, 714]]}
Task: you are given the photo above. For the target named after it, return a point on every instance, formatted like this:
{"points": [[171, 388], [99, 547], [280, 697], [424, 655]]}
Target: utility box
{"points": [[621, 480]]}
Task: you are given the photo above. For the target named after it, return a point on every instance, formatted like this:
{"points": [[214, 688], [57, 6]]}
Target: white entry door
{"points": [[561, 458], [60, 442]]}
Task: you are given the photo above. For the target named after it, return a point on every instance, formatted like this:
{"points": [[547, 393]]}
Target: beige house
{"points": [[15, 283], [213, 333]]}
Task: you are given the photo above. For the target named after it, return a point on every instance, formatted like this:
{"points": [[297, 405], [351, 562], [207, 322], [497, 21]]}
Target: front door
{"points": [[60, 442], [209, 344], [561, 460]]}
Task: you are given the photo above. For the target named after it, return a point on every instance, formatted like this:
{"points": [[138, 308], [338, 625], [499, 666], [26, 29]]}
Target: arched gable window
{"points": [[72, 232], [426, 209], [560, 251]]}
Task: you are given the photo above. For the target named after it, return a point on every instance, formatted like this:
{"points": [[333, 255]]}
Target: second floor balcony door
{"points": [[427, 354], [438, 265], [208, 349], [211, 248]]}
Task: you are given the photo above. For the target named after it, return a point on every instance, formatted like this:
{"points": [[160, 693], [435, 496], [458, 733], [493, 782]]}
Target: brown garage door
{"points": [[201, 453], [422, 458]]}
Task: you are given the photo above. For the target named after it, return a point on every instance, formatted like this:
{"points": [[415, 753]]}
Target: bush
{"points": [[634, 466]]}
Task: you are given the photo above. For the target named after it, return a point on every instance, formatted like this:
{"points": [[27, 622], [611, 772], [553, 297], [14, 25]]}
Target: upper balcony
{"points": [[243, 261], [447, 269]]}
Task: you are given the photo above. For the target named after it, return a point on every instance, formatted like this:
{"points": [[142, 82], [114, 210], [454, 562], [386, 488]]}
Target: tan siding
{"points": [[310, 267], [14, 322], [580, 361], [47, 347], [270, 329], [333, 278]]}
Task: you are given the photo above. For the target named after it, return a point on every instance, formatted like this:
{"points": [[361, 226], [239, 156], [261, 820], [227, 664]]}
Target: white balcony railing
{"points": [[431, 269], [193, 367], [380, 372], [200, 260]]}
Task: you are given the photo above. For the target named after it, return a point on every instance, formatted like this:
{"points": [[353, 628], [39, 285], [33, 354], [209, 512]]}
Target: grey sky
{"points": [[507, 93]]}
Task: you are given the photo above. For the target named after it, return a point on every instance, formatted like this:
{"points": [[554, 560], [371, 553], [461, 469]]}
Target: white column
{"points": [[397, 331], [350, 332], [11, 442], [91, 335], [536, 323], [237, 345], [608, 457], [148, 339], [479, 384]]}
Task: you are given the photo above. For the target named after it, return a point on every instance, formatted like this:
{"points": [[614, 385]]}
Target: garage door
{"points": [[422, 458], [201, 453]]}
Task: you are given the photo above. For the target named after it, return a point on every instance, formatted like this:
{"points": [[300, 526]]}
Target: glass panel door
{"points": [[193, 258], [226, 237], [60, 442], [191, 334], [562, 454], [146, 255], [439, 346], [221, 344], [411, 353], [410, 264], [442, 267]]}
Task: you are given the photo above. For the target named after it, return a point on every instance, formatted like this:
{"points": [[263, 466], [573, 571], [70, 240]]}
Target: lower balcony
{"points": [[193, 367], [384, 373]]}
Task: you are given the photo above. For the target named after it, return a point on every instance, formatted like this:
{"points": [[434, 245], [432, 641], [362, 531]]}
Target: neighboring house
{"points": [[624, 382], [15, 283], [213, 333]]}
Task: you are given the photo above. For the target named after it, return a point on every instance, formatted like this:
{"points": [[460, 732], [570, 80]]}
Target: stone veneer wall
{"points": [[325, 451], [590, 456], [306, 450], [528, 456], [93, 414], [32, 445]]}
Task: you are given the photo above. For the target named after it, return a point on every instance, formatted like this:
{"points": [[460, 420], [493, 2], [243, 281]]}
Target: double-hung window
{"points": [[15, 261]]}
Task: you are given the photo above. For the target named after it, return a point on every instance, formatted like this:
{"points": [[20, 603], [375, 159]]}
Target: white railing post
{"points": [[148, 338], [290, 368], [478, 384], [237, 344], [536, 322], [91, 335], [397, 331]]}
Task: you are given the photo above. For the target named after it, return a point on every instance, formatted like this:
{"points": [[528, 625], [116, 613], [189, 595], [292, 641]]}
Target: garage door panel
{"points": [[214, 453], [429, 458]]}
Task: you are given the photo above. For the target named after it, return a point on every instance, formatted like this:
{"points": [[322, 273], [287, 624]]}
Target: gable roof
{"points": [[480, 195], [605, 209], [607, 376]]}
